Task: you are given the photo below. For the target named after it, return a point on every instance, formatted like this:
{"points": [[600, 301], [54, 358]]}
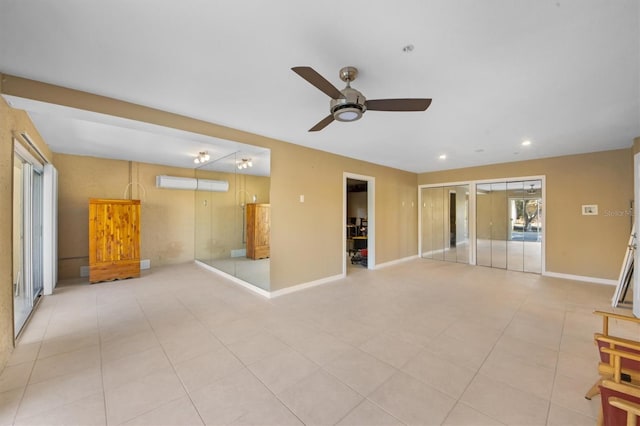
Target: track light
{"points": [[244, 163], [203, 157]]}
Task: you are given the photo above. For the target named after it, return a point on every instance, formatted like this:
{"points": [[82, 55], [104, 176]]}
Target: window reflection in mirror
{"points": [[221, 216]]}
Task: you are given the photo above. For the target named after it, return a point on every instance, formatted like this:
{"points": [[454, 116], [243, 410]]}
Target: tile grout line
{"points": [[104, 391], [173, 368], [33, 366], [555, 370], [245, 366], [458, 400]]}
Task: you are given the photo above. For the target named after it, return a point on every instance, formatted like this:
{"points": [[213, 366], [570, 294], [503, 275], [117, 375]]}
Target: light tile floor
{"points": [[420, 343]]}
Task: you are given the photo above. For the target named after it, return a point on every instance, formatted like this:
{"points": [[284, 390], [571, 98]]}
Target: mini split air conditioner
{"points": [[173, 182]]}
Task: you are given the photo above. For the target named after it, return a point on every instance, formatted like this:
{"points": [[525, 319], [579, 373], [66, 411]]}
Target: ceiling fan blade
{"points": [[322, 124], [319, 81], [398, 104]]}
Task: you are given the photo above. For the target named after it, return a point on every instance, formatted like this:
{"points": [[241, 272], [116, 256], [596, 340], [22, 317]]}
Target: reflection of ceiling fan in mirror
{"points": [[349, 104]]}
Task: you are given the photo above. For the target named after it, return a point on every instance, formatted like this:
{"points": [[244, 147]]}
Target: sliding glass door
{"points": [[27, 236]]}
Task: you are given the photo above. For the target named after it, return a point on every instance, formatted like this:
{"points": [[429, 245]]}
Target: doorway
{"points": [[358, 222]]}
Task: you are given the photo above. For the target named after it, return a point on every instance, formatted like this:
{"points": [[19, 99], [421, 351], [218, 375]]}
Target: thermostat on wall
{"points": [[589, 209]]}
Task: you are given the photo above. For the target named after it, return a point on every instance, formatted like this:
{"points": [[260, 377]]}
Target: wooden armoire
{"points": [[114, 239], [258, 230]]}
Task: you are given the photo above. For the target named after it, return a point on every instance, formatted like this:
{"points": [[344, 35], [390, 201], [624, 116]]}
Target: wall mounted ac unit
{"points": [[213, 185], [173, 182]]}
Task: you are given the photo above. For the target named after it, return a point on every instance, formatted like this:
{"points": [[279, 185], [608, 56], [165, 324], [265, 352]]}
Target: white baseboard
{"points": [[397, 261], [265, 293], [581, 278], [305, 286], [235, 280]]}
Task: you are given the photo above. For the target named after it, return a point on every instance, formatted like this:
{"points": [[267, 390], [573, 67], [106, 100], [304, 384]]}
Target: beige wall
{"points": [[591, 246], [314, 226], [307, 237], [298, 229], [11, 122], [306, 241], [168, 216]]}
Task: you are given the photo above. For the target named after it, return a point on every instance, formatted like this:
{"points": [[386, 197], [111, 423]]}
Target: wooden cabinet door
{"points": [[114, 239], [258, 230]]}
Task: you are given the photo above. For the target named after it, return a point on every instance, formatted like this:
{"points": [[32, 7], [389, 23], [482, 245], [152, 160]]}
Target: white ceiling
{"points": [[564, 74]]}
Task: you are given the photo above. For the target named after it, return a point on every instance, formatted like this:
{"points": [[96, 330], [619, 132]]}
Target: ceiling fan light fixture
{"points": [[349, 104], [347, 113]]}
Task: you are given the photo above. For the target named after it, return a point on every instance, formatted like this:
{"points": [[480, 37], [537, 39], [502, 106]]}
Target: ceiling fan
{"points": [[349, 104]]}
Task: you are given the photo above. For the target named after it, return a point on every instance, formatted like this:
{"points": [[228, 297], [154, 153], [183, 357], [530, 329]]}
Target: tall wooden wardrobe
{"points": [[258, 230], [114, 239]]}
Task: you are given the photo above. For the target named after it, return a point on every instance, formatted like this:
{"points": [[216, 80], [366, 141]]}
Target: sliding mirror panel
{"points": [[499, 225], [445, 223], [483, 224], [533, 213], [491, 224], [525, 226], [438, 224], [456, 223], [509, 225], [517, 226]]}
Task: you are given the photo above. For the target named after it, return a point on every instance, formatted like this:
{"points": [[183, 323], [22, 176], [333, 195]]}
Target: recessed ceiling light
{"points": [[526, 143], [443, 157]]}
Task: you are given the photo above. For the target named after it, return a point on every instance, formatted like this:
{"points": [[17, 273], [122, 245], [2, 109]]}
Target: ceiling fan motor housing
{"points": [[349, 108]]}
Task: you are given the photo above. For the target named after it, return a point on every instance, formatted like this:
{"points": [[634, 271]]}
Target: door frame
{"points": [[371, 219]]}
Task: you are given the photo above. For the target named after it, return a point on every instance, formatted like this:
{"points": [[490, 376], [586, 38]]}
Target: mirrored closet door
{"points": [[445, 223], [509, 225]]}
